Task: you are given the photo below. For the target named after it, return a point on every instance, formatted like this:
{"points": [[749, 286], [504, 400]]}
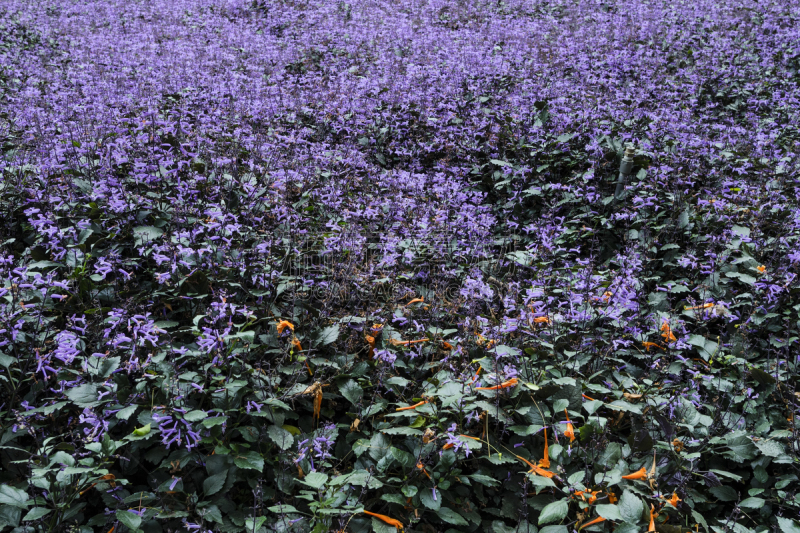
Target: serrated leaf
{"points": [[282, 509], [483, 480], [724, 493], [753, 503], [404, 458], [770, 448], [315, 479], [281, 437], [553, 512], [630, 507], [213, 484], [127, 412], [194, 416], [609, 512], [214, 421], [143, 234], [83, 395], [13, 496], [36, 513], [129, 519], [254, 524], [554, 529], [426, 496], [402, 431], [788, 525], [326, 336], [451, 517], [250, 460], [352, 391], [619, 405]]}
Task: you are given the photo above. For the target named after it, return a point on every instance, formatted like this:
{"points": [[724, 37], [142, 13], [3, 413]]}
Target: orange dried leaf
{"points": [[545, 462], [570, 431], [416, 300], [418, 404], [542, 472], [391, 521], [504, 385], [317, 403], [593, 522], [639, 474], [668, 335], [649, 345], [653, 515], [283, 324]]}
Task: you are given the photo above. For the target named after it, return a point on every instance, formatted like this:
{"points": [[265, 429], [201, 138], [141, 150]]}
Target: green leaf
{"points": [[540, 481], [282, 509], [129, 519], [326, 336], [427, 499], [315, 479], [36, 513], [379, 446], [127, 412], [83, 395], [770, 448], [724, 493], [281, 437], [143, 234], [554, 529], [253, 524], [742, 448], [788, 526], [620, 405], [451, 517], [752, 503], [500, 163], [553, 512], [352, 391], [9, 516], [250, 460], [609, 512], [213, 484], [215, 421], [402, 431], [483, 480], [576, 478], [630, 507], [404, 458], [194, 416], [12, 496]]}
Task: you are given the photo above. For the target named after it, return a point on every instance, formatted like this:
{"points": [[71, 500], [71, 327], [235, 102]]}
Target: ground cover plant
{"points": [[365, 266]]}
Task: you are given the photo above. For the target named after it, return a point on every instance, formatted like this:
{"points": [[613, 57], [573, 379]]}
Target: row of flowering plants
{"points": [[364, 266]]}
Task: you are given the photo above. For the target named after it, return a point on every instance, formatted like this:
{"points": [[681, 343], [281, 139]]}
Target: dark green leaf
{"points": [[451, 517], [553, 512], [213, 484], [129, 519]]}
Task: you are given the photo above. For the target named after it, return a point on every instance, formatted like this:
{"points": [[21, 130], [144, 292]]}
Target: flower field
{"points": [[425, 265]]}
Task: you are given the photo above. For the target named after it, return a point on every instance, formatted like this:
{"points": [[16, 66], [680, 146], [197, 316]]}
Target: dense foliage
{"points": [[319, 265]]}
